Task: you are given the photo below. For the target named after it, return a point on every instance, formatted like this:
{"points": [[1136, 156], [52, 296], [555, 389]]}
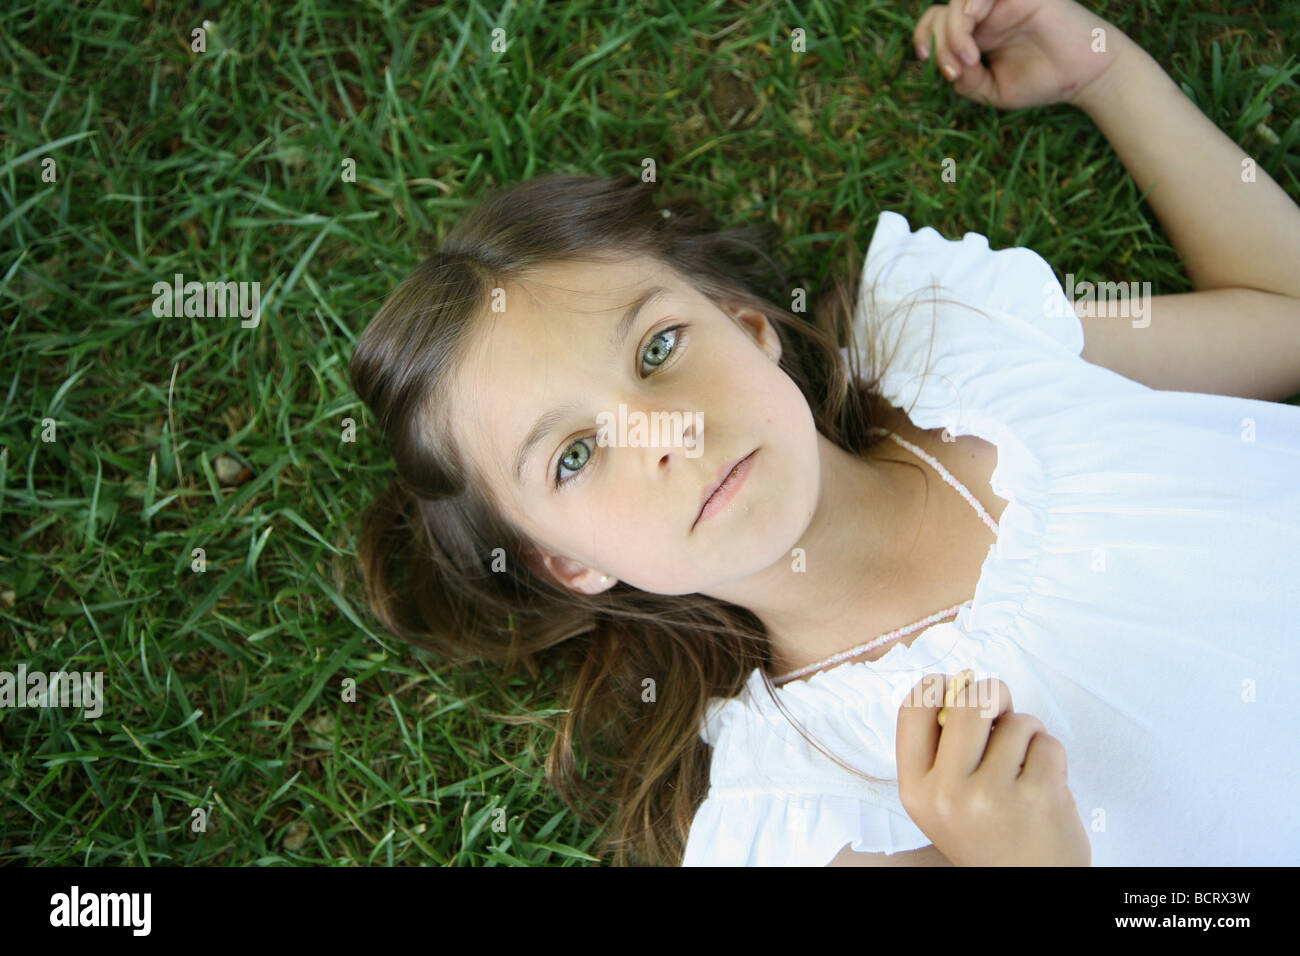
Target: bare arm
{"points": [[1229, 233], [1238, 342]]}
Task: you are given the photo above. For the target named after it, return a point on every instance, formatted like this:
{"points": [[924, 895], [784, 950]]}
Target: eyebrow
{"points": [[548, 421]]}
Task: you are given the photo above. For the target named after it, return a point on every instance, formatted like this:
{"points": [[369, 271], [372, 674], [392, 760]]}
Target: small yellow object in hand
{"points": [[950, 695]]}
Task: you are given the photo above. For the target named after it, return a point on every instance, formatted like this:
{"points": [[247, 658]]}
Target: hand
{"points": [[1039, 52], [1000, 800]]}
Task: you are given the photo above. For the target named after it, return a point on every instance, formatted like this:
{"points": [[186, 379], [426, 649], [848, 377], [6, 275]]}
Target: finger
{"points": [[976, 84], [923, 39], [966, 731], [961, 46], [918, 732], [1008, 745], [936, 38], [1046, 762]]}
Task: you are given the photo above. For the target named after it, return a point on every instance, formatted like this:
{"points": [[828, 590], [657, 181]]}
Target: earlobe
{"points": [[588, 582], [565, 572], [544, 564]]}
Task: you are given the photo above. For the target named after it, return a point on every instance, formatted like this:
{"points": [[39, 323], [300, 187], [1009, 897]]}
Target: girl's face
{"points": [[628, 509]]}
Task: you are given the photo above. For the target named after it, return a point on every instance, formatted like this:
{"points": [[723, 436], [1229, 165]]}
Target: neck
{"points": [[856, 551]]}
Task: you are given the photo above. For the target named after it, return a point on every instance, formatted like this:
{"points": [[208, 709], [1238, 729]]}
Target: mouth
{"points": [[726, 485]]}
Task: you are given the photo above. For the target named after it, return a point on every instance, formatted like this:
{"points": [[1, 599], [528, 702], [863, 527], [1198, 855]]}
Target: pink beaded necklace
{"points": [[924, 622]]}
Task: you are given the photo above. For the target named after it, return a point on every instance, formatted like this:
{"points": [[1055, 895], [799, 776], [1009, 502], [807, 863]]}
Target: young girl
{"points": [[742, 615]]}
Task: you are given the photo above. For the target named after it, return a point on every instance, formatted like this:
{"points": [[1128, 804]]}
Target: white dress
{"points": [[1140, 598]]}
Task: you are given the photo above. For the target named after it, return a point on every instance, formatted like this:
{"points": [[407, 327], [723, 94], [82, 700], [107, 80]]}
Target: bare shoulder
{"points": [[971, 459], [925, 856], [932, 440]]}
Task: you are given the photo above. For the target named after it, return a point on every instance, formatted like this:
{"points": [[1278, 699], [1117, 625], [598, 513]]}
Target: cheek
{"points": [[784, 411]]}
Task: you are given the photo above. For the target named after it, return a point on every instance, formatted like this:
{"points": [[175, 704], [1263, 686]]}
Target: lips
{"points": [[712, 488]]}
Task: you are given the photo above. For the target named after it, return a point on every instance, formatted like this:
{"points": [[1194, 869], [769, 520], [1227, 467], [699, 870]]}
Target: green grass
{"points": [[224, 687]]}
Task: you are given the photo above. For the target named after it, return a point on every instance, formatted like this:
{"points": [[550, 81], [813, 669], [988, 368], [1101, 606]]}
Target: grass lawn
{"points": [[130, 440]]}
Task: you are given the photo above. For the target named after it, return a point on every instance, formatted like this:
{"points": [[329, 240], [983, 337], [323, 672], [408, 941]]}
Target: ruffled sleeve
{"points": [[791, 829], [1016, 284], [774, 800], [978, 341]]}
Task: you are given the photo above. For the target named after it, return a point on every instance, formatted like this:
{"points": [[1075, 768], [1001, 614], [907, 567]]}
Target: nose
{"points": [[662, 435]]}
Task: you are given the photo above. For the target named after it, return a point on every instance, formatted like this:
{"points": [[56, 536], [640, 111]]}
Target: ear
{"points": [[757, 325], [566, 572]]}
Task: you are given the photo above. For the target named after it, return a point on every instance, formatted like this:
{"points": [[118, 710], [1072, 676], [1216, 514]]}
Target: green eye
{"points": [[659, 355], [582, 459]]}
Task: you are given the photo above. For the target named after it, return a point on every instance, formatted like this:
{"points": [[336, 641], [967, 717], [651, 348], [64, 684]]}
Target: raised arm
{"points": [[1236, 231], [1229, 232], [1239, 237]]}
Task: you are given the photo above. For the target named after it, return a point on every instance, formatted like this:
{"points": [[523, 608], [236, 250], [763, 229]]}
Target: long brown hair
{"points": [[445, 571]]}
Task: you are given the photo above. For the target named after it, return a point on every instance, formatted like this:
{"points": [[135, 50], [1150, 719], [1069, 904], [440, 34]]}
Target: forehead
{"points": [[586, 288]]}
